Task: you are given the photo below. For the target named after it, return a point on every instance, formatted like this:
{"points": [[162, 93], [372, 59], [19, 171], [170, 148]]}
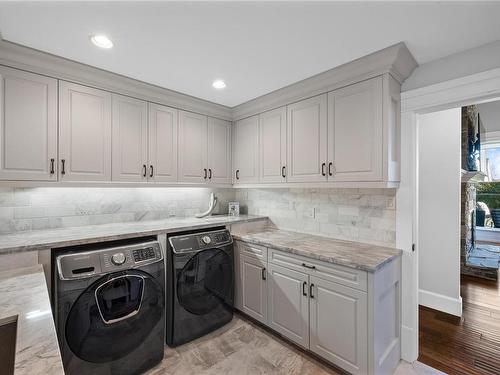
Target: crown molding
{"points": [[25, 58], [395, 60]]}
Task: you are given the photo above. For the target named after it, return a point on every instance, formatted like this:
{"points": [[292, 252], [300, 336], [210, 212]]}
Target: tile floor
{"points": [[242, 347]]}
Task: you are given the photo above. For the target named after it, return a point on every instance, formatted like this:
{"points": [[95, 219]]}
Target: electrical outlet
{"points": [[312, 213], [391, 202]]}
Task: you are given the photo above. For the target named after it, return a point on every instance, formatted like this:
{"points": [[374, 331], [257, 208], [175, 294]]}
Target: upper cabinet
{"points": [[272, 140], [219, 151], [348, 138], [130, 139], [84, 133], [307, 140], [192, 147], [28, 126], [355, 132], [162, 157], [246, 151]]}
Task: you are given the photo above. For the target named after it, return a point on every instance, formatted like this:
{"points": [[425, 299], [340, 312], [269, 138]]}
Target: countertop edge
{"points": [[115, 236], [306, 254], [37, 349]]}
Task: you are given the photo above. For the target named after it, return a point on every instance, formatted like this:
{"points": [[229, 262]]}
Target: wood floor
{"points": [[468, 345]]}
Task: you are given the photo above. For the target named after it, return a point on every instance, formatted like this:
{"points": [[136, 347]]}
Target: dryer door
{"points": [[205, 282], [114, 315]]}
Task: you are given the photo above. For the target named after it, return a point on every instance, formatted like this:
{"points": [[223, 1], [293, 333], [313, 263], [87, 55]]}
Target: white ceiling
{"points": [[255, 47]]}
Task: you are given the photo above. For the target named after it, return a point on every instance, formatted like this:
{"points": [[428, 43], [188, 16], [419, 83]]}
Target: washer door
{"points": [[114, 315], [205, 281]]}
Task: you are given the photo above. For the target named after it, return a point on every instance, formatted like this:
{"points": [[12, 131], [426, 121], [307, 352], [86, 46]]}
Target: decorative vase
{"points": [[495, 216], [480, 216]]}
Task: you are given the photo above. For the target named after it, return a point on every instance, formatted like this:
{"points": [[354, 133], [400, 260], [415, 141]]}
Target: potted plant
{"points": [[489, 193]]}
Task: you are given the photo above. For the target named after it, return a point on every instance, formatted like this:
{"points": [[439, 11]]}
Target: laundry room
{"points": [[238, 187]]}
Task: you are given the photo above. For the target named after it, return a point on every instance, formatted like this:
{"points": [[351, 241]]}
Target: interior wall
{"points": [[24, 209], [365, 215], [439, 210]]}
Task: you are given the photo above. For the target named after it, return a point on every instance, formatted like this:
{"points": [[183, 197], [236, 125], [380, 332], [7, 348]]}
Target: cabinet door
{"points": [[272, 135], [307, 140], [339, 325], [246, 151], [253, 288], [219, 151], [355, 132], [28, 126], [192, 147], [130, 139], [288, 303], [162, 143], [84, 133]]}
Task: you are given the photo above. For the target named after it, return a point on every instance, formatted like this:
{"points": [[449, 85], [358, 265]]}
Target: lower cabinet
{"points": [[254, 288], [349, 317], [338, 323], [289, 304]]}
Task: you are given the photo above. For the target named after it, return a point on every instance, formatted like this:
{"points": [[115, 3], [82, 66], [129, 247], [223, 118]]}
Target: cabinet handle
{"points": [[237, 174], [209, 173], [205, 173], [304, 286], [311, 287], [283, 170], [330, 165], [63, 165], [52, 168], [323, 165], [307, 266], [151, 171], [144, 170], [263, 274]]}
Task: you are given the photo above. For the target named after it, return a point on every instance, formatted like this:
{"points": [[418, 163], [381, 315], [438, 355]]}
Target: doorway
{"points": [[476, 88]]}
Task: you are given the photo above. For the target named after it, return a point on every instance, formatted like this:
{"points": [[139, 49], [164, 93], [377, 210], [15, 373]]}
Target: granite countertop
{"points": [[346, 253], [23, 293], [35, 240]]}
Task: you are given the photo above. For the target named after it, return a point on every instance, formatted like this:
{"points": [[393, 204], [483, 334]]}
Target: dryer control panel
{"points": [[200, 241], [89, 263]]}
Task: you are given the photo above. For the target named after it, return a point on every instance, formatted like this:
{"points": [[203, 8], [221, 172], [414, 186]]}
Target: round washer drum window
{"points": [[119, 294]]}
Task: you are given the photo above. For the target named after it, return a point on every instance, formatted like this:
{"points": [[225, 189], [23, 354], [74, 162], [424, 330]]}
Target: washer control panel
{"points": [[140, 255], [90, 263]]}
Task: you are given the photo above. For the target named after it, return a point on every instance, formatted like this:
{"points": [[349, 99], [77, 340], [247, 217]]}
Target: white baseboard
{"points": [[440, 302], [409, 347]]}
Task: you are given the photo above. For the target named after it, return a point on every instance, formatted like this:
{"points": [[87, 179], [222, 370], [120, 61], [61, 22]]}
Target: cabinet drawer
{"points": [[351, 277], [251, 250]]}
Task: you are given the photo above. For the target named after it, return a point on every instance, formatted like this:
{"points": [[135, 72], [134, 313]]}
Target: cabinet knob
{"points": [[330, 167], [311, 288], [63, 166], [263, 274], [205, 173], [144, 170], [237, 174], [283, 170], [52, 167], [209, 173], [151, 171], [323, 166], [304, 287]]}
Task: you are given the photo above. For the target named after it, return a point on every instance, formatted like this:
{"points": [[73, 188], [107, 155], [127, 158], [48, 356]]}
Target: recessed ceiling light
{"points": [[219, 84], [101, 41]]}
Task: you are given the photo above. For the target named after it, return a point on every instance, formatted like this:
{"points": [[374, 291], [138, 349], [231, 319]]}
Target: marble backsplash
{"points": [[364, 215], [24, 209]]}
